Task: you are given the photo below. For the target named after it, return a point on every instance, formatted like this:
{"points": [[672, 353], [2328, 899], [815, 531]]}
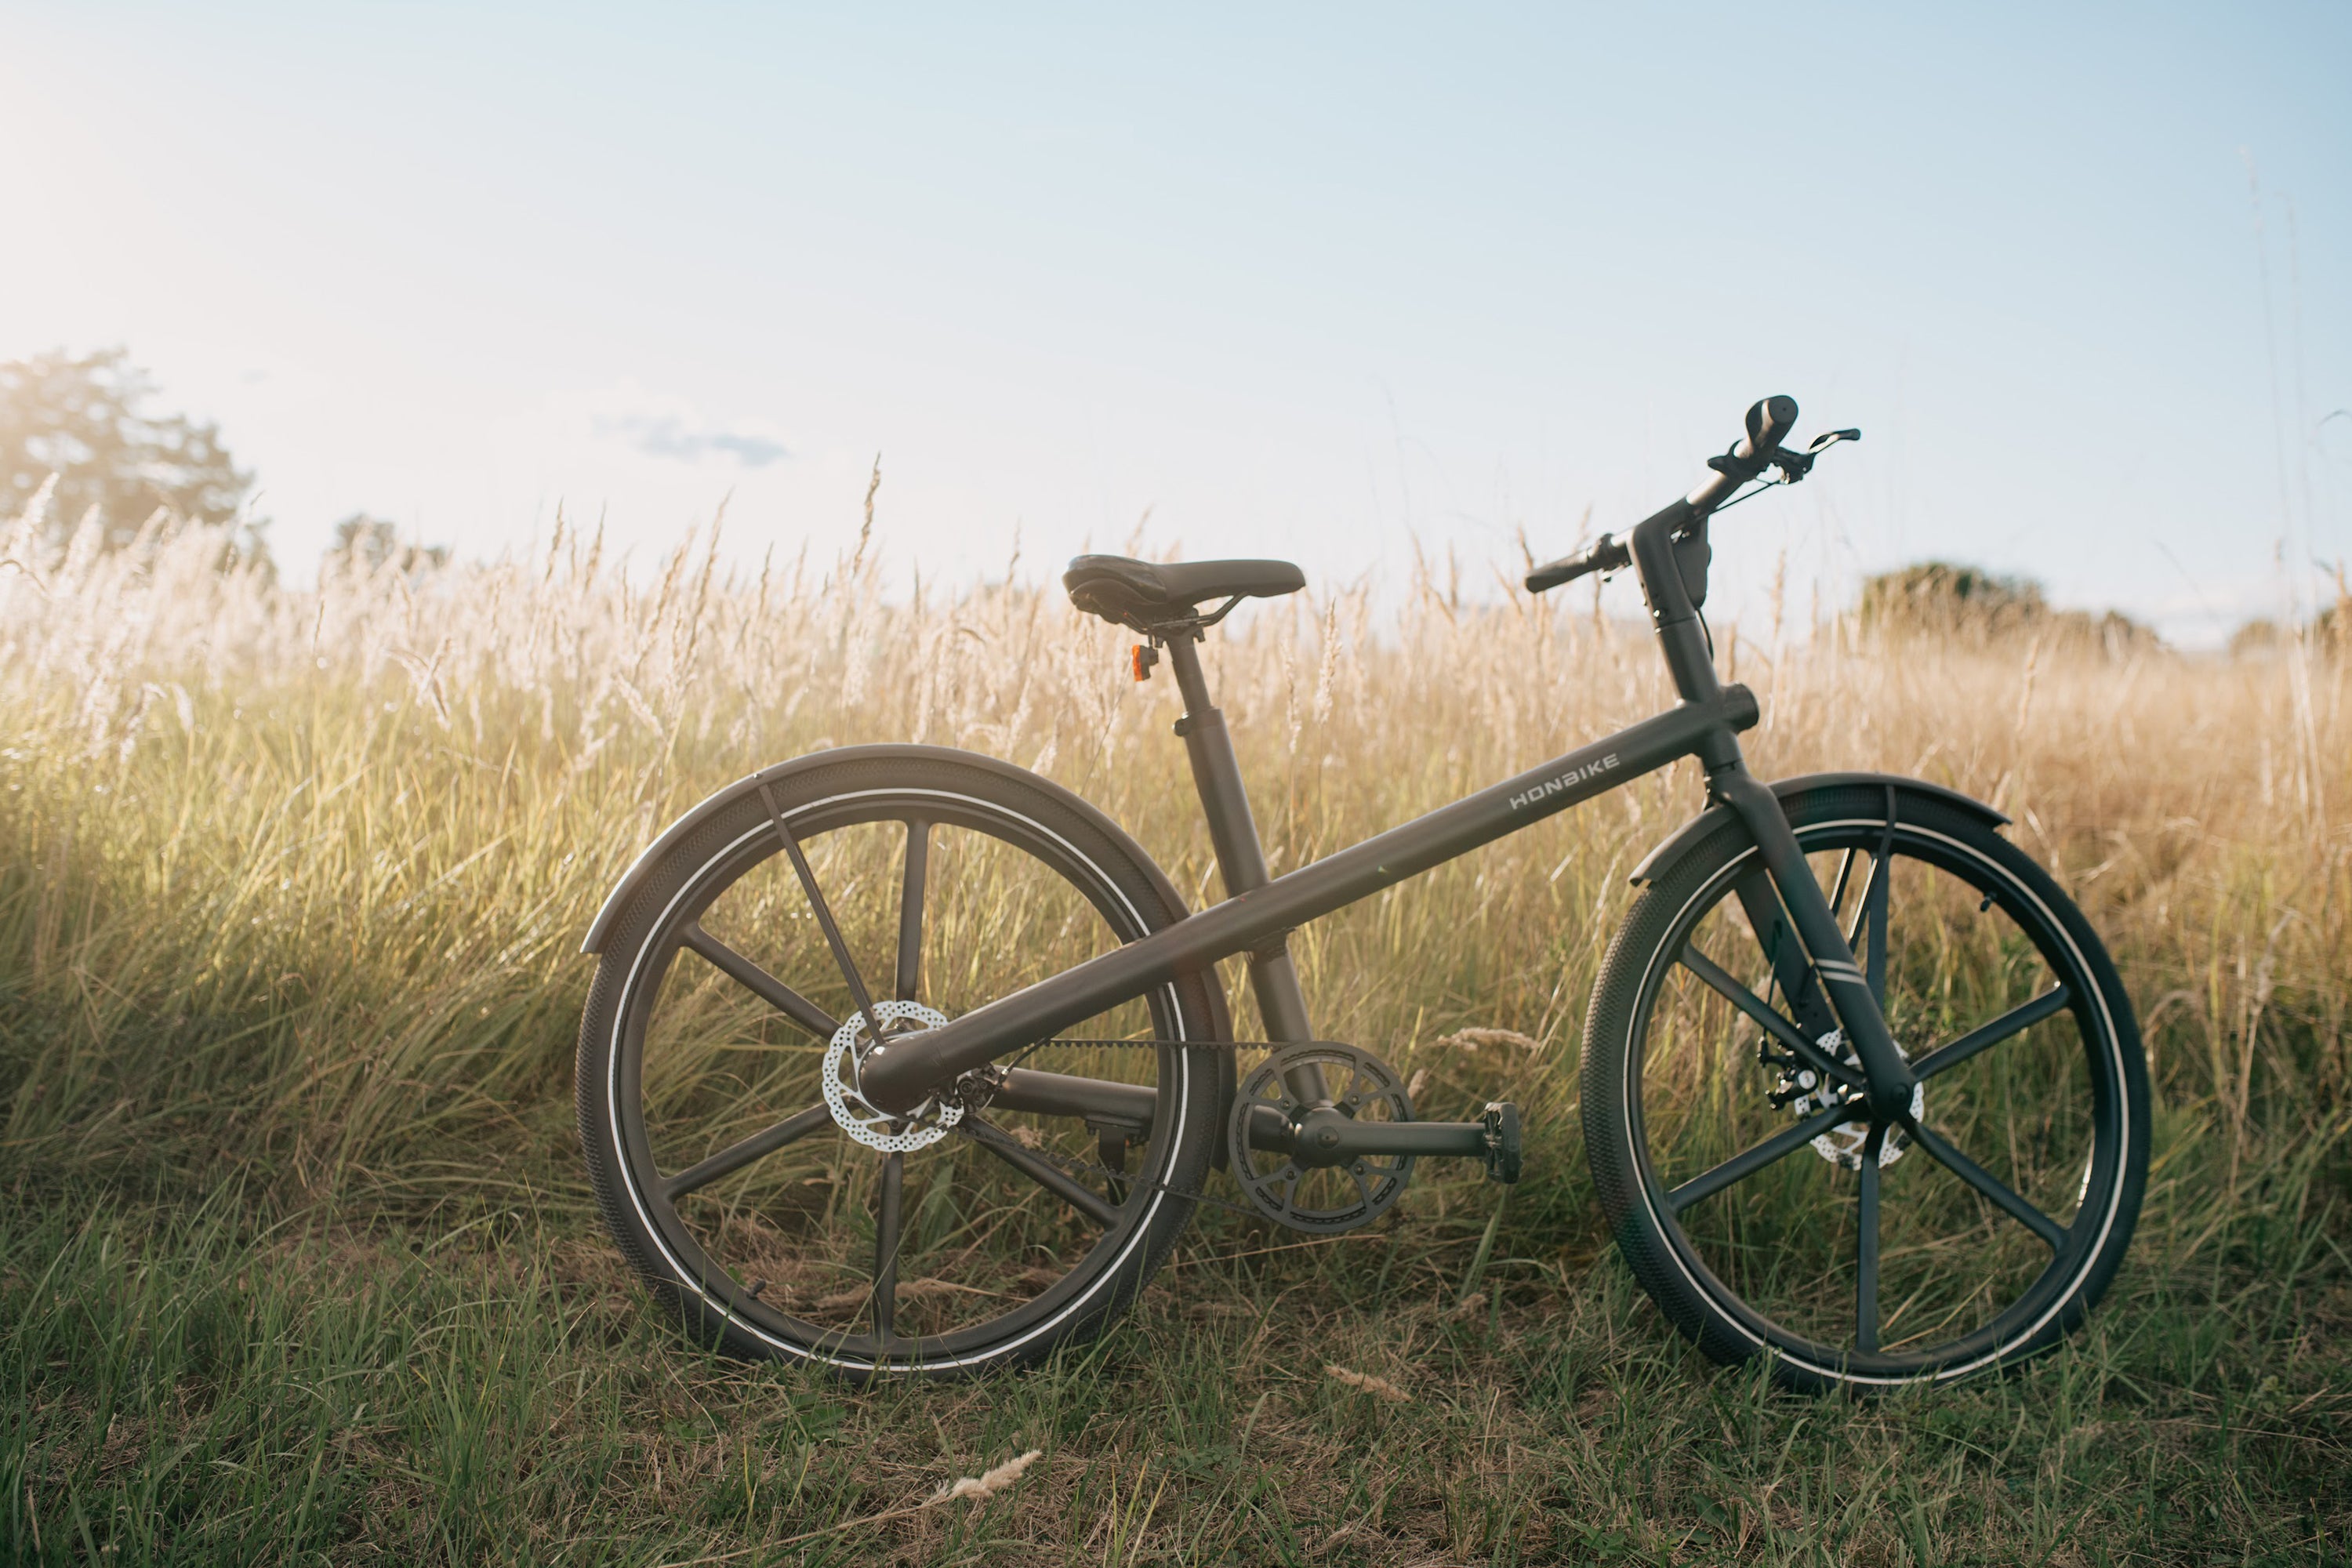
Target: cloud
{"points": [[675, 430], [691, 442]]}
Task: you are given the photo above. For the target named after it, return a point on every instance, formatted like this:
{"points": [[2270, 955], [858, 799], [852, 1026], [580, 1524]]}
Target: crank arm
{"points": [[1339, 1139], [1326, 1137], [1329, 1137]]}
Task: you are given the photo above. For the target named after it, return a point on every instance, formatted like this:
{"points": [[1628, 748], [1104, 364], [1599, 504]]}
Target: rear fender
{"points": [[618, 900], [1220, 1017]]}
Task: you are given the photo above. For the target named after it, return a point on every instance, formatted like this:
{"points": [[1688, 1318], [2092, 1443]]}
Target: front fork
{"points": [[1659, 546], [1888, 1079]]}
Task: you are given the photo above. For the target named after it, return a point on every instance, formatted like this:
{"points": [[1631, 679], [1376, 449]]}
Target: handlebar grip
{"points": [[1606, 554], [1768, 421], [1552, 574]]}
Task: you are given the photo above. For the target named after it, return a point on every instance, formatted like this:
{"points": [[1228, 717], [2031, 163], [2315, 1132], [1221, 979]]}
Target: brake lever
{"points": [[1795, 466]]}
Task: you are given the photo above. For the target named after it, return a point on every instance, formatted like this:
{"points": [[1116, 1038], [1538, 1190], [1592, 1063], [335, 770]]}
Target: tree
{"points": [[374, 541], [84, 420], [1940, 600], [1939, 596]]}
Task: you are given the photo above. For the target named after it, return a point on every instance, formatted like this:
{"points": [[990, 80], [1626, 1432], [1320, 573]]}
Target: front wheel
{"points": [[1765, 1217]]}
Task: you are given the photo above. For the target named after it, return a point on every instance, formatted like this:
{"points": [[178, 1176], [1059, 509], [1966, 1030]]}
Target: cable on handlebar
{"points": [[1762, 486], [1793, 466], [1748, 461]]}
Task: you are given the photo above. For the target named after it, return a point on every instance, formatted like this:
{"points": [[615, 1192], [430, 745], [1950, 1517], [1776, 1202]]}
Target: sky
{"points": [[1329, 283]]}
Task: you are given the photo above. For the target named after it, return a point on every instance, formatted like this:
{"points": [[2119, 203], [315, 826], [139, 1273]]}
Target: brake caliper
{"points": [[1800, 1090]]}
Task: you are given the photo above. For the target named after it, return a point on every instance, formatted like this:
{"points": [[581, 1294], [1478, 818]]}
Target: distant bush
{"points": [[1940, 599], [2322, 634], [2256, 638]]}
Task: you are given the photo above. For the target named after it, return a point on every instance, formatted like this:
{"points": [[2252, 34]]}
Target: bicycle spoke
{"points": [[1845, 875], [1991, 1186], [762, 983], [886, 1247], [1862, 907], [910, 910], [1728, 986], [1741, 1167], [824, 920], [1050, 1177], [2016, 1021], [1870, 922], [1865, 1250], [737, 1154]]}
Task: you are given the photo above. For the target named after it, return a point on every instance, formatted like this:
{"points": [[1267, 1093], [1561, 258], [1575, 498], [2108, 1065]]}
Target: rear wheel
{"points": [[717, 1100], [1765, 1217]]}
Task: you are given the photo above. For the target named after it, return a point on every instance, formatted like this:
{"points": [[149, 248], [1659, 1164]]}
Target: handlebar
{"points": [[1768, 421], [1606, 554]]}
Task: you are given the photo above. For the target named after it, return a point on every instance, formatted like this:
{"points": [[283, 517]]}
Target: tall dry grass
{"points": [[294, 1261], [293, 880]]}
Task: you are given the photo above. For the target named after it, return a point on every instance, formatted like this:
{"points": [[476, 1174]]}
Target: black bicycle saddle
{"points": [[1148, 594]]}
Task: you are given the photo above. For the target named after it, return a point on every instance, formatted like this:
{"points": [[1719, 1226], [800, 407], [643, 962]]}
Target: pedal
{"points": [[1500, 1121]]}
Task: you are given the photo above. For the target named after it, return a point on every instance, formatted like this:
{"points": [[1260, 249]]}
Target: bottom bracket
{"points": [[1279, 1167]]}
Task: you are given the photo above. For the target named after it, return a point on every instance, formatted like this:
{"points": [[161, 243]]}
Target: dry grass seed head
{"points": [[986, 1485], [1369, 1383]]}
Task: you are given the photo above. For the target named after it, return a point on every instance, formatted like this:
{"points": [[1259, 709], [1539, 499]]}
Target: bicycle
{"points": [[1025, 1117]]}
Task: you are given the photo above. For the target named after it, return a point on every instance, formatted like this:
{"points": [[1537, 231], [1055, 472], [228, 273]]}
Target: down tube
{"points": [[902, 1074]]}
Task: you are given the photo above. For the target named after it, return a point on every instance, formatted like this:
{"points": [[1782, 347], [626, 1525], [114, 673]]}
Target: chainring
{"points": [[1321, 1199]]}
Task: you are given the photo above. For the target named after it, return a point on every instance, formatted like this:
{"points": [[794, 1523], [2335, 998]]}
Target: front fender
{"points": [[1714, 817]]}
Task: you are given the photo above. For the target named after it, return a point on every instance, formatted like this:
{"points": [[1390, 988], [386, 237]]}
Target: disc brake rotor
{"points": [[918, 1129], [1803, 1092]]}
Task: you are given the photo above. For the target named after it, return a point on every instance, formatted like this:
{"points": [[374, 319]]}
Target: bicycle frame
{"points": [[1259, 912]]}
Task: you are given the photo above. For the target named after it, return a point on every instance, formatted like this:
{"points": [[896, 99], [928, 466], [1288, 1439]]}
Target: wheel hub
{"points": [[1803, 1092], [892, 1133]]}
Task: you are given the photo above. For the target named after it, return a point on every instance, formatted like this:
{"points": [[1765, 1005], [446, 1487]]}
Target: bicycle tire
{"points": [[1003, 817], [1712, 1275]]}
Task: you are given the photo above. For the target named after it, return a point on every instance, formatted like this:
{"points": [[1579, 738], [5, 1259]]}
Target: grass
{"points": [[296, 1261]]}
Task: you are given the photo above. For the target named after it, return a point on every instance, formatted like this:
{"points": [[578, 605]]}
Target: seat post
{"points": [[1241, 857]]}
